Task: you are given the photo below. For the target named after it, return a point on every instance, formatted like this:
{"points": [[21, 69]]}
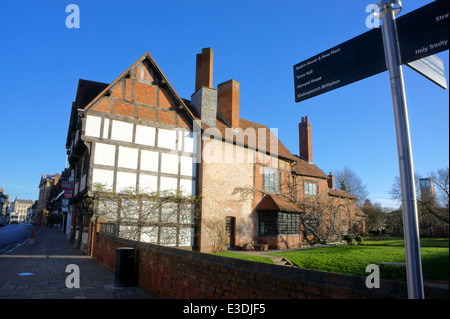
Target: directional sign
{"points": [[348, 62], [422, 32], [432, 68]]}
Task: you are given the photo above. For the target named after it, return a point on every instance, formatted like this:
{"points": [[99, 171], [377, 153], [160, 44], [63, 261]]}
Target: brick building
{"points": [[137, 132]]}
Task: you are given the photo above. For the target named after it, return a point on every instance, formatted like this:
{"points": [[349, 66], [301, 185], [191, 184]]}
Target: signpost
{"points": [[421, 33], [432, 68], [351, 61], [412, 37]]}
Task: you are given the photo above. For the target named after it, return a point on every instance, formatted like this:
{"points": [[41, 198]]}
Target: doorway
{"points": [[230, 232]]}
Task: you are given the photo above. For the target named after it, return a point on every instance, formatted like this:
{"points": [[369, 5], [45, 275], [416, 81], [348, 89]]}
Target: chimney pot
{"points": [[204, 69], [228, 102], [331, 181], [305, 139]]}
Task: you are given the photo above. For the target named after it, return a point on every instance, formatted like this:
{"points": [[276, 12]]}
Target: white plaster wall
{"points": [[189, 142], [168, 184], [187, 187], [93, 124], [148, 183], [106, 128], [187, 166], [103, 176], [169, 163], [149, 234], [167, 139], [104, 154], [125, 180], [122, 131], [149, 161], [128, 157], [145, 135]]}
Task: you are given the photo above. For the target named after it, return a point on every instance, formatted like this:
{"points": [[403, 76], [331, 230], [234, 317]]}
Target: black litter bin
{"points": [[125, 270]]}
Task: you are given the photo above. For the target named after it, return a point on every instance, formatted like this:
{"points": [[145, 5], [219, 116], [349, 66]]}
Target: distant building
{"points": [[427, 191], [32, 212], [45, 186], [19, 209]]}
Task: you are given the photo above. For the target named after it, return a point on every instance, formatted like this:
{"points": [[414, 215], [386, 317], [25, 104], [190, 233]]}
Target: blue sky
{"points": [[254, 42]]}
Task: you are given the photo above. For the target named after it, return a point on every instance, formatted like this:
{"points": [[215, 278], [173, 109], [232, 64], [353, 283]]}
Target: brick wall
{"points": [[179, 274]]}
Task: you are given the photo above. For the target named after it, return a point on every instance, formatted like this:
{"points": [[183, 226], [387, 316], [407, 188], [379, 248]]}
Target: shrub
{"points": [[358, 240], [348, 239]]}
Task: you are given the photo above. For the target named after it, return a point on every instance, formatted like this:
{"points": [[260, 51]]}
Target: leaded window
{"points": [[279, 223], [271, 180], [268, 223], [288, 223]]}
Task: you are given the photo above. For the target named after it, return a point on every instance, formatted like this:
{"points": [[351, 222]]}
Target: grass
{"points": [[353, 260], [261, 259]]}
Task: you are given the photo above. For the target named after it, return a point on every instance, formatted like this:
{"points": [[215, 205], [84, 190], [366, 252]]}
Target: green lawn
{"points": [[354, 259], [246, 257]]}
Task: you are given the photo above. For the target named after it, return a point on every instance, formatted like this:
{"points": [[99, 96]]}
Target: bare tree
{"points": [[347, 180], [215, 229], [325, 217], [441, 181], [395, 190], [433, 215], [376, 218]]}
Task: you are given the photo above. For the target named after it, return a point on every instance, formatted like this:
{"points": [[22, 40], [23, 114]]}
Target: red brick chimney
{"points": [[305, 139], [204, 69], [331, 181], [228, 102]]}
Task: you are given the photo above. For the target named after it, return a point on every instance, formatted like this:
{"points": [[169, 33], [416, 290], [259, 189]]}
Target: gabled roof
{"points": [[277, 203], [87, 91], [162, 79]]}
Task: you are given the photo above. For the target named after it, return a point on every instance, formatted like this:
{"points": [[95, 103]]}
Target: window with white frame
{"points": [[310, 188]]}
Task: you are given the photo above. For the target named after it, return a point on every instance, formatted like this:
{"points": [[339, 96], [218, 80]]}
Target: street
{"points": [[13, 234]]}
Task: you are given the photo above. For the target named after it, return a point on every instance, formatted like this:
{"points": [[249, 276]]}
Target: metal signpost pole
{"points": [[387, 12]]}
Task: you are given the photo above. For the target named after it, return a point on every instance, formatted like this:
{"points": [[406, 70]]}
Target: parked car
{"points": [[14, 220]]}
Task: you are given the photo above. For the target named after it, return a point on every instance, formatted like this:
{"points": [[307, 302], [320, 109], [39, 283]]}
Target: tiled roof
{"points": [[304, 168], [87, 91], [277, 203], [339, 193], [251, 140]]}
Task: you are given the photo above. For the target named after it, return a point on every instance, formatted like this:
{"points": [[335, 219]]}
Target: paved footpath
{"points": [[38, 271]]}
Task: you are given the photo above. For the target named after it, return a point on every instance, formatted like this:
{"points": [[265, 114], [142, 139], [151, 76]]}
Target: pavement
{"points": [[38, 271]]}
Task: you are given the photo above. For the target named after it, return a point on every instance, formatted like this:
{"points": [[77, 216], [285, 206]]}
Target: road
{"points": [[11, 235]]}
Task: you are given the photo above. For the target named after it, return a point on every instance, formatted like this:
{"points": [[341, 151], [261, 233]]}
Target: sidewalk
{"points": [[38, 271]]}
